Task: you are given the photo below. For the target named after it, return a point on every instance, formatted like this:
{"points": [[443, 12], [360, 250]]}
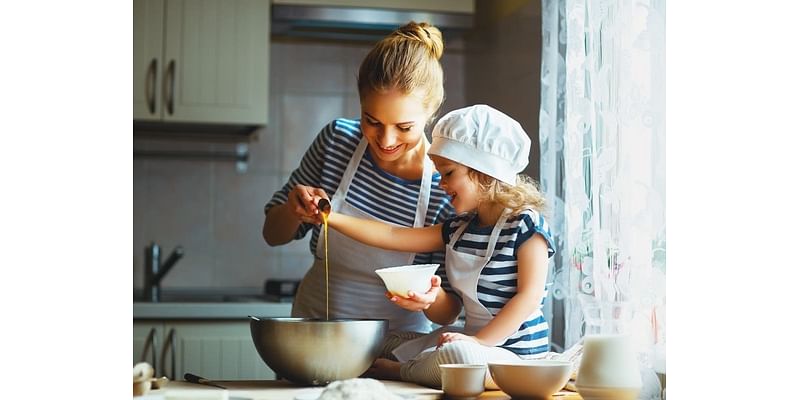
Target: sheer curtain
{"points": [[603, 159]]}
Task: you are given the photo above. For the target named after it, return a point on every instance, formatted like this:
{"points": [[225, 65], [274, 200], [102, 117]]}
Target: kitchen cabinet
{"points": [[211, 349], [201, 61], [147, 343]]}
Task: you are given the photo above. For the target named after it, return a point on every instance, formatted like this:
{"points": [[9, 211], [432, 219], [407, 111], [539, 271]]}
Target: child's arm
{"points": [[445, 308], [531, 279], [439, 306], [389, 237]]}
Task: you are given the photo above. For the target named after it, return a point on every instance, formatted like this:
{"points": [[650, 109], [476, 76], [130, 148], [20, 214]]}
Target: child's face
{"points": [[462, 190], [393, 123]]}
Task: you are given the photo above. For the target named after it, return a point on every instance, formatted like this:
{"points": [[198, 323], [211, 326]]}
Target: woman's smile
{"points": [[390, 150]]}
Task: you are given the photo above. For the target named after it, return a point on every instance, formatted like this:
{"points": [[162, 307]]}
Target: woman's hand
{"points": [[302, 202], [418, 301], [449, 337]]}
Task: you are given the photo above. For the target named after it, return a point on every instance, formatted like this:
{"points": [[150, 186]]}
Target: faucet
{"points": [[154, 271]]}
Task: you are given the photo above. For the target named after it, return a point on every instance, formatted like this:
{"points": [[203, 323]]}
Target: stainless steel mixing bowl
{"points": [[316, 352]]}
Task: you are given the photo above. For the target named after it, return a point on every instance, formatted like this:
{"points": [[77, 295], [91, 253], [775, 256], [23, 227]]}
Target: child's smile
{"points": [[457, 184]]}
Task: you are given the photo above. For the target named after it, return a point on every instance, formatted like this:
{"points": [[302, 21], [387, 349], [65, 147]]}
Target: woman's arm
{"points": [[293, 204], [389, 237], [531, 280], [279, 225], [283, 220]]}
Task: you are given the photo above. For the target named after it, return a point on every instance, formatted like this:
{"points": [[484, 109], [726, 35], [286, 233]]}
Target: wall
{"points": [[504, 53], [214, 212]]}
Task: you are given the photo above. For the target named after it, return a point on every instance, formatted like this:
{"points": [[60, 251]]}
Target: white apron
{"points": [[355, 290], [463, 271]]}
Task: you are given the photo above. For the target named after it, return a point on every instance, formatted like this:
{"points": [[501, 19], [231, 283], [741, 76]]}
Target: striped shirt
{"points": [[497, 283], [373, 190]]}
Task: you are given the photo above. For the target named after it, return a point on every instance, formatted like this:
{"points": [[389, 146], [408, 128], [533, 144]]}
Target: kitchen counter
{"points": [[222, 303], [282, 390], [210, 310]]}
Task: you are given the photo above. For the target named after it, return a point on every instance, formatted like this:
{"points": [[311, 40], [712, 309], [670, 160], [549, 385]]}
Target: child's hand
{"points": [[417, 301], [449, 337], [302, 201]]}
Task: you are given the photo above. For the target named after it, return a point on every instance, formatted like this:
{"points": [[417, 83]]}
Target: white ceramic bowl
{"points": [[399, 280], [531, 379]]}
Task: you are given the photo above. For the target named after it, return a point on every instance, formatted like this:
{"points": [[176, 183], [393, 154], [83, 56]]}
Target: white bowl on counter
{"points": [[531, 379]]}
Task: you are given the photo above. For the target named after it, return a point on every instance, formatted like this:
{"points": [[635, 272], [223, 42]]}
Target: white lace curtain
{"points": [[603, 160]]}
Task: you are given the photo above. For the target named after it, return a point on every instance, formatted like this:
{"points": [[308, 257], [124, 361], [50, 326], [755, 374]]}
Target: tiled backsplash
{"points": [[215, 213]]}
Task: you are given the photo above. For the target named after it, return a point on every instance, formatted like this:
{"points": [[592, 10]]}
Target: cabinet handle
{"points": [[169, 344], [151, 343], [170, 80], [150, 86]]}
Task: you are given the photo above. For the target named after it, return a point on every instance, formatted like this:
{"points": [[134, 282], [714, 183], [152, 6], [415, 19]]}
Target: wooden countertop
{"points": [[283, 390]]}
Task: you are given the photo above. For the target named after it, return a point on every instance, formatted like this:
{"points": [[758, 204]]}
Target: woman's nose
{"points": [[387, 139]]}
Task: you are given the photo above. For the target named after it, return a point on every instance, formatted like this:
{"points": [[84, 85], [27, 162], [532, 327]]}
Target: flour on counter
{"points": [[357, 389]]}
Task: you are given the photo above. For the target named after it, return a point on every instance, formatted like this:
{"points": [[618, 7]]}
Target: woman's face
{"points": [[393, 123], [462, 190]]}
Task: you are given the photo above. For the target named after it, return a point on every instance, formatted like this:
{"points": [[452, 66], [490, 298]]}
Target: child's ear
{"points": [[479, 177], [473, 175]]}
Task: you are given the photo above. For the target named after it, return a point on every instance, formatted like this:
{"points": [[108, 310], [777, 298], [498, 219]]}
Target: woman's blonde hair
{"points": [[406, 60], [524, 195]]}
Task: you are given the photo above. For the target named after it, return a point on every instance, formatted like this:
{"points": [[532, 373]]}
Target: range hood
{"points": [[361, 21]]}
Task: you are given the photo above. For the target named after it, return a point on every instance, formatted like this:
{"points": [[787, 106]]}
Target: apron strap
{"points": [[492, 238], [424, 193], [495, 234], [349, 173]]}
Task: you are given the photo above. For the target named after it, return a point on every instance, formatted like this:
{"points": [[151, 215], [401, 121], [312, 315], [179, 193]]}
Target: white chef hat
{"points": [[483, 139]]}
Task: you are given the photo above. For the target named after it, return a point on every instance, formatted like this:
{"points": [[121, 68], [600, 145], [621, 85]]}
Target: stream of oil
{"points": [[325, 223]]}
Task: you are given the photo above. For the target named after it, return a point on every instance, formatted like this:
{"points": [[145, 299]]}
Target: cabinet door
{"points": [[141, 334], [216, 61], [148, 31], [221, 350]]}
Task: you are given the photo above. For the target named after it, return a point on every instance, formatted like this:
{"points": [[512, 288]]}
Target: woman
{"points": [[376, 168]]}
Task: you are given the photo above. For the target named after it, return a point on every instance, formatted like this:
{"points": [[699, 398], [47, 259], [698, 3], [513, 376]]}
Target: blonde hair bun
{"points": [[425, 33], [406, 60]]}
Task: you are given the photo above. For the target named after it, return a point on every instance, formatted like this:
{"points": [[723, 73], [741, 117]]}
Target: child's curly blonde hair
{"points": [[524, 195]]}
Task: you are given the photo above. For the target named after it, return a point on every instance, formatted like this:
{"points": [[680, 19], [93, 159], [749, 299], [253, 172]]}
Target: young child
{"points": [[497, 251]]}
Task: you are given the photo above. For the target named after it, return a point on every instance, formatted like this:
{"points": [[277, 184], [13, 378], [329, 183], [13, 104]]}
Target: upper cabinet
{"points": [[201, 61]]}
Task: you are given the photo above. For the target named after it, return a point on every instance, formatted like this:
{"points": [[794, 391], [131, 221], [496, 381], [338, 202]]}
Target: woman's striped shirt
{"points": [[497, 283], [373, 190]]}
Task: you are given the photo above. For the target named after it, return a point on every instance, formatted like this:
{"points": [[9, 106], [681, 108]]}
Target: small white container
{"points": [[463, 381]]}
